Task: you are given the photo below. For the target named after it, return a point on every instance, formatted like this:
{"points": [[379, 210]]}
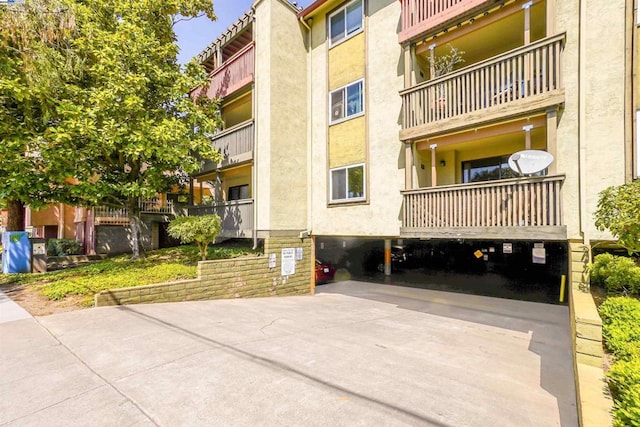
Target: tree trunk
{"points": [[136, 229], [15, 215]]}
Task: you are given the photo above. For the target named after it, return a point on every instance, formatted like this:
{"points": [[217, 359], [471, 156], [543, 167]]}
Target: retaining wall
{"points": [[255, 276]]}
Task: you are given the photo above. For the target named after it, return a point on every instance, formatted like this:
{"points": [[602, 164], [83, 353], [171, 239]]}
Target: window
{"points": [[238, 192], [347, 184], [345, 22], [347, 101], [487, 169]]}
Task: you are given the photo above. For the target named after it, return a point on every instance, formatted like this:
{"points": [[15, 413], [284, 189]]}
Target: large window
{"points": [[487, 169], [347, 101], [347, 184], [345, 22], [238, 192]]}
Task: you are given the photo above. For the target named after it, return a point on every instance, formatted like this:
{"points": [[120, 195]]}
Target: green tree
{"points": [[200, 230], [619, 212], [137, 130], [36, 65]]}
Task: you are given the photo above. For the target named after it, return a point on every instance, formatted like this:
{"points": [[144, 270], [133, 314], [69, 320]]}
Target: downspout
{"points": [[309, 126], [254, 180], [582, 152]]}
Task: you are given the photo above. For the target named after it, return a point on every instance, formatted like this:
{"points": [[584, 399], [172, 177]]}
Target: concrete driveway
{"points": [[354, 354]]}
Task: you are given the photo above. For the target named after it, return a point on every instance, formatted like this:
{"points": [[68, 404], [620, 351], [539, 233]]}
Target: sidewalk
{"points": [[10, 311]]}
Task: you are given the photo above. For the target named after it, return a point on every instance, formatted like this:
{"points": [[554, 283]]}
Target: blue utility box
{"points": [[16, 252]]}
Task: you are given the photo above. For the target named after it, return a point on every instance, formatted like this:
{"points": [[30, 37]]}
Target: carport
{"points": [[523, 270]]}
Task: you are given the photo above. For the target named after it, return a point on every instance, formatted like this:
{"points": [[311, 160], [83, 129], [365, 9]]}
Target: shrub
{"points": [[200, 230], [627, 411], [62, 247], [617, 274], [621, 326]]}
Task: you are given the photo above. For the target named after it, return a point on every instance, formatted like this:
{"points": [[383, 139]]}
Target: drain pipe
{"points": [[309, 127], [254, 108], [582, 133]]}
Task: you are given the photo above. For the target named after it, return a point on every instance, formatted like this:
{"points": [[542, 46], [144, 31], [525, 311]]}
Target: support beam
{"points": [[434, 170], [551, 17], [552, 138], [408, 165], [387, 257]]}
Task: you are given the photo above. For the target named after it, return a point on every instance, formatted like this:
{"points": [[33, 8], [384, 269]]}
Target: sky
{"points": [[196, 34]]}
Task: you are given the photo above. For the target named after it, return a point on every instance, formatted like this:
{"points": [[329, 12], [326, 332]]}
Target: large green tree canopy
{"points": [[123, 118], [619, 212]]}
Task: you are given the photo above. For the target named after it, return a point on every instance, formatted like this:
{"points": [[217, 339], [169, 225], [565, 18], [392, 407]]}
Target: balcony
{"points": [[235, 144], [105, 215], [522, 80], [520, 208], [421, 16], [235, 73], [236, 216]]}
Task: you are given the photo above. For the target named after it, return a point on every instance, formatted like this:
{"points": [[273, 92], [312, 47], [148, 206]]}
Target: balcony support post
{"points": [[551, 17], [387, 257], [409, 66], [191, 201], [434, 170], [552, 142], [408, 165]]}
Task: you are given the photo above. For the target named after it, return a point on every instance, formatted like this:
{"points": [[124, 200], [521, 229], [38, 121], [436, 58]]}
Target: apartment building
{"points": [[258, 72], [384, 129]]}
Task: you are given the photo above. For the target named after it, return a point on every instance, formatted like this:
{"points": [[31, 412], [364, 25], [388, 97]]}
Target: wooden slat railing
{"points": [[525, 72], [420, 16], [519, 202], [235, 73], [236, 216], [106, 215], [235, 144]]}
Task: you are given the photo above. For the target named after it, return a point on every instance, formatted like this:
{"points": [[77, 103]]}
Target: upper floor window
{"points": [[347, 101], [239, 192], [347, 184], [345, 22]]}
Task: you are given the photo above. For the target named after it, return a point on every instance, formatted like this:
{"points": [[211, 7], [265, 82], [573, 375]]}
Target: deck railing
{"points": [[519, 202], [105, 215], [525, 72], [235, 144], [419, 16], [233, 74], [236, 216]]}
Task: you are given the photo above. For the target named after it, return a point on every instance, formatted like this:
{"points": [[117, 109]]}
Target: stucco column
{"points": [[61, 221]]}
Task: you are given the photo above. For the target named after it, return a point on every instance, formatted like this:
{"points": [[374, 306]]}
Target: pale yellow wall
{"points": [[385, 154], [235, 177], [346, 62], [281, 121], [347, 143], [237, 111]]}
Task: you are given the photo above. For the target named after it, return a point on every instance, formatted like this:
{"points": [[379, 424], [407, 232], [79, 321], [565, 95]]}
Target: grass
{"points": [[163, 265]]}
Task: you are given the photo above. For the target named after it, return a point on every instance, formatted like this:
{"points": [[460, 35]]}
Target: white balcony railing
{"points": [[526, 72], [519, 202]]}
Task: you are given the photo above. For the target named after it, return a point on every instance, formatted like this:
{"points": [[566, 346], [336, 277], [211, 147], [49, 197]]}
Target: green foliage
{"points": [[62, 247], [159, 266], [621, 331], [201, 230], [619, 275], [446, 62], [619, 212]]}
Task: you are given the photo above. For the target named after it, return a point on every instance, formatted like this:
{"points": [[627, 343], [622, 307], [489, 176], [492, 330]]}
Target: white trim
{"points": [[348, 199], [346, 36], [345, 116]]}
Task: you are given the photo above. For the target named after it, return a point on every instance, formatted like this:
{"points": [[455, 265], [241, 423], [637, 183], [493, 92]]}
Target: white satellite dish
{"points": [[528, 162]]}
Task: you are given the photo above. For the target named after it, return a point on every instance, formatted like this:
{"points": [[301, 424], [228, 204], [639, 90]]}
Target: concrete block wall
{"points": [[231, 278], [594, 402]]}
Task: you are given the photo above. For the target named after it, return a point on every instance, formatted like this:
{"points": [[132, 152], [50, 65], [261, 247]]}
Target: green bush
{"points": [[627, 410], [618, 274], [62, 247], [201, 230], [621, 326]]}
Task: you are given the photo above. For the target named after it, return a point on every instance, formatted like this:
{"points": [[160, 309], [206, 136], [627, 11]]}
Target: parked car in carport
{"points": [[325, 272], [374, 260]]}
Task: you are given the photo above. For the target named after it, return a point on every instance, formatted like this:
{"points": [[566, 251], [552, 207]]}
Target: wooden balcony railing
{"points": [[235, 144], [235, 73], [519, 202], [105, 215], [420, 16], [526, 72], [236, 216]]}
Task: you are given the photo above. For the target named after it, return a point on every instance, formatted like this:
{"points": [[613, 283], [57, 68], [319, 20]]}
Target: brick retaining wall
{"points": [[230, 278]]}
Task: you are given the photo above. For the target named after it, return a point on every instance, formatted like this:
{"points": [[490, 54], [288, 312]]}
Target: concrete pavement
{"points": [[354, 354], [10, 311]]}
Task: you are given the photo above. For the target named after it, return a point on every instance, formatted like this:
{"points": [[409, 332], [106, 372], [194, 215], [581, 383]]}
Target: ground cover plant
{"points": [[82, 282], [621, 331]]}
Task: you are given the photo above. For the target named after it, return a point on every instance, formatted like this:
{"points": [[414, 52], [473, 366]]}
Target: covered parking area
{"points": [[514, 269]]}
